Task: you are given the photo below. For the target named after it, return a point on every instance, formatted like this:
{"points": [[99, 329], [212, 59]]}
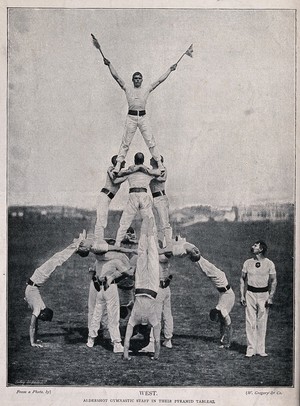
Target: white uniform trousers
{"points": [[136, 202], [256, 321], [91, 306], [164, 312], [107, 299], [131, 125], [147, 266], [161, 204], [103, 202]]}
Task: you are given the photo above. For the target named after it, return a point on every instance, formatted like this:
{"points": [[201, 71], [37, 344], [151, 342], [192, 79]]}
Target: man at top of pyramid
{"points": [[137, 96]]}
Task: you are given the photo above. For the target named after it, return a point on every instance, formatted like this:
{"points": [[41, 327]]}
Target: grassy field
{"points": [[195, 360]]}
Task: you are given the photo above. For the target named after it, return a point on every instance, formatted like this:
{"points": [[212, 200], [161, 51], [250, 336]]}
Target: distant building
{"points": [[185, 216], [270, 211]]}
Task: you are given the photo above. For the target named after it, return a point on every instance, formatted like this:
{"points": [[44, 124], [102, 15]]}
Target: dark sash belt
{"points": [[31, 283], [149, 292], [257, 290], [136, 112], [222, 290], [137, 190], [160, 193], [108, 193]]}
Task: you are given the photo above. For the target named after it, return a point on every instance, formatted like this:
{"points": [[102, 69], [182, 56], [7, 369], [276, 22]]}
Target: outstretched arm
{"points": [[99, 249], [149, 171], [158, 173], [114, 73], [125, 172], [163, 77], [122, 249]]}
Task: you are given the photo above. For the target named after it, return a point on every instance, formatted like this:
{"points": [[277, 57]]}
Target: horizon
{"points": [[171, 209]]}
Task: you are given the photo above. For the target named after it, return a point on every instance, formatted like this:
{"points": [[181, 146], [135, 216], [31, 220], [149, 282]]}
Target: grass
{"points": [[195, 360]]}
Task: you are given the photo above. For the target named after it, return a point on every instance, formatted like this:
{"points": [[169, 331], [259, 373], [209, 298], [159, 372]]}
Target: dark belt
{"points": [[137, 190], [224, 289], [160, 193], [31, 283], [142, 291], [108, 193], [136, 112], [257, 290]]}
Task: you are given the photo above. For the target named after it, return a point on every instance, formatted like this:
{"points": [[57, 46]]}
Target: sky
{"points": [[224, 121]]}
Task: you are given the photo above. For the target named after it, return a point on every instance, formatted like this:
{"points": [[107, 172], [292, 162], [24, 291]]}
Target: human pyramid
{"points": [[142, 265]]}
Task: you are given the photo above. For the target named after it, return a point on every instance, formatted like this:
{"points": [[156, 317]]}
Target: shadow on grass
{"points": [[78, 335], [212, 339]]}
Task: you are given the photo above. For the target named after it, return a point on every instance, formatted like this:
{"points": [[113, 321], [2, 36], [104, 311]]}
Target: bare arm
{"points": [[32, 331], [111, 174], [100, 249], [114, 73], [163, 77], [120, 272], [156, 333], [125, 172], [242, 288], [273, 285], [113, 177], [119, 180], [228, 330], [128, 335], [156, 172], [122, 249], [149, 171], [162, 177]]}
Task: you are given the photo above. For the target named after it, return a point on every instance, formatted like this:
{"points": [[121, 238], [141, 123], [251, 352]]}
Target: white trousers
{"points": [[131, 125], [107, 299], [103, 202], [137, 202], [256, 321], [91, 306], [164, 230], [164, 312], [147, 266]]}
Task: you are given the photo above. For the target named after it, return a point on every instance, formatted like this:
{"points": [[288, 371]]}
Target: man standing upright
{"points": [[137, 97], [107, 193], [108, 267], [259, 282], [139, 177], [161, 204]]}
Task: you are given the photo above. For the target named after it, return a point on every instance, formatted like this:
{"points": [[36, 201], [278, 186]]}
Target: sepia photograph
{"points": [[149, 202]]}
